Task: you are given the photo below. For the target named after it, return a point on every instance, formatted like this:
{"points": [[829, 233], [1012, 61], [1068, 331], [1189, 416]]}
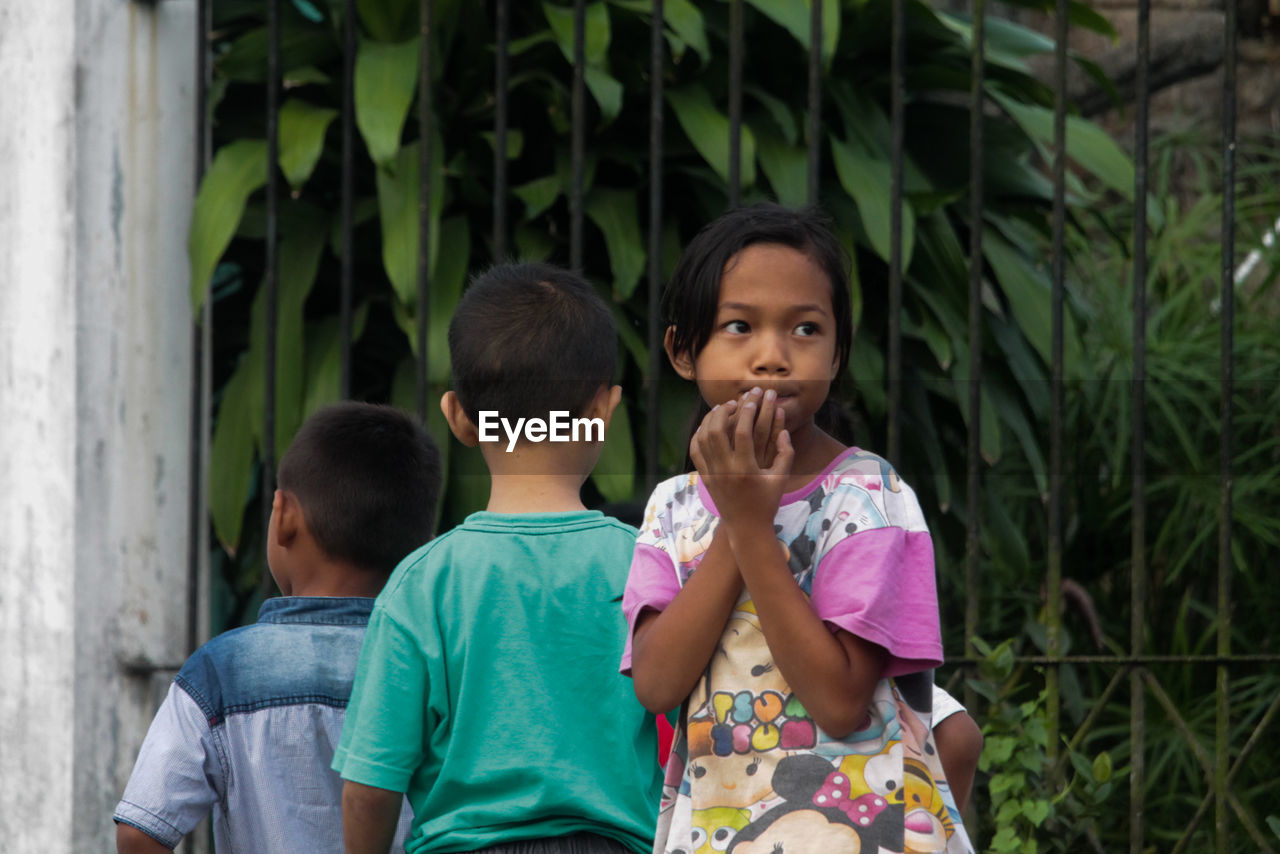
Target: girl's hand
{"points": [[724, 450], [770, 422]]}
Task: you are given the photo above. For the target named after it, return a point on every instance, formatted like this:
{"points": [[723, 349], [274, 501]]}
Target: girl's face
{"points": [[774, 328]]}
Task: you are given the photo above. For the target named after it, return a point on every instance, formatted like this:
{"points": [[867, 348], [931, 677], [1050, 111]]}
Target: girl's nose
{"points": [[771, 356]]}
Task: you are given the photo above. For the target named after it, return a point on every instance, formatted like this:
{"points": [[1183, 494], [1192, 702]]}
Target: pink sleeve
{"points": [[652, 583], [879, 585]]}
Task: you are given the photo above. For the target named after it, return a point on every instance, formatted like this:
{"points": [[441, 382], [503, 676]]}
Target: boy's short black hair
{"points": [[692, 296], [367, 478], [528, 339]]}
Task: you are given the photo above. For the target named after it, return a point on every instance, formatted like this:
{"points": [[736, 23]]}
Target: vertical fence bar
{"points": [[815, 101], [500, 65], [272, 282], [579, 132], [201, 368], [426, 132], [973, 490], [977, 73], [348, 189], [1222, 828], [1138, 550], [735, 102], [655, 242], [896, 57], [1053, 580]]}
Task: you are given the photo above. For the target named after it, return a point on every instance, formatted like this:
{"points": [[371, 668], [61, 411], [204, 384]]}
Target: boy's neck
{"points": [[333, 579], [536, 478], [517, 493]]}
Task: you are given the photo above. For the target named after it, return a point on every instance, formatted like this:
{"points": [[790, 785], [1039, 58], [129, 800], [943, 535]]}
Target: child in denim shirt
{"points": [[250, 723]]}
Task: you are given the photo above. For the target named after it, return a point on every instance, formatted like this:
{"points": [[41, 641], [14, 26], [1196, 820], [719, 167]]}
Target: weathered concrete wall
{"points": [[37, 423], [97, 121]]}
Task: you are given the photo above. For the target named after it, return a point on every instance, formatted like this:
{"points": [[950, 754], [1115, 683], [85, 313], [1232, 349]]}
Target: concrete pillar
{"points": [[97, 119]]}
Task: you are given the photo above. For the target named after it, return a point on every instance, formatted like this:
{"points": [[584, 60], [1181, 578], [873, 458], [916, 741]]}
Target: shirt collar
{"points": [[329, 610]]}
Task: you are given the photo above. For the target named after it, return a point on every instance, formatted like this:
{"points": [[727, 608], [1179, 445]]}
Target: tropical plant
{"points": [[229, 219]]}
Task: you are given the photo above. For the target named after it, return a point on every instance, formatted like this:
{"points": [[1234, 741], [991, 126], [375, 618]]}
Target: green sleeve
{"points": [[382, 736]]}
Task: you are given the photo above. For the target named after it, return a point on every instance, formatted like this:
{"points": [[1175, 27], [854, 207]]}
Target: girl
{"points": [[785, 592]]}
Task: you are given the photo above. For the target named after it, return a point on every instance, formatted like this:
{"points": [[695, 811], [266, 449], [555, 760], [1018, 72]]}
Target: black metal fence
{"points": [[1219, 770]]}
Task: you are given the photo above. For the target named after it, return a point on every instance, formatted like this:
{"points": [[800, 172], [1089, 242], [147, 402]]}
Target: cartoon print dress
{"points": [[749, 772]]}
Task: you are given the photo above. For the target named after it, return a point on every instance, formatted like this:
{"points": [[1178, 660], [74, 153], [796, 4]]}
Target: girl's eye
{"points": [[806, 329], [737, 327]]}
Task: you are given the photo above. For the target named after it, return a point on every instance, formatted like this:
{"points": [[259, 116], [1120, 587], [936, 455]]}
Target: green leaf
{"points": [[538, 195], [998, 750], [615, 473], [1006, 839], [614, 212], [304, 75], [308, 10], [708, 130], [779, 110], [1005, 43], [1102, 767], [389, 20], [1030, 295], [795, 18], [447, 278], [786, 166], [989, 435], [597, 30], [398, 194], [1078, 13], [231, 452], [1036, 811], [324, 358], [302, 129], [533, 243], [866, 177], [1273, 822], [300, 252], [237, 170], [386, 78], [246, 60], [515, 141], [686, 22], [606, 90], [685, 25], [630, 334], [1087, 144]]}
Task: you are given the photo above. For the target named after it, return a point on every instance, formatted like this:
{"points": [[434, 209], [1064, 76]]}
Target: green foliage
{"points": [[1033, 807], [773, 163]]}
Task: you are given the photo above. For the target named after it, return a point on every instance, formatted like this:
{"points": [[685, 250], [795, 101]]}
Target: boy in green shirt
{"points": [[488, 690]]}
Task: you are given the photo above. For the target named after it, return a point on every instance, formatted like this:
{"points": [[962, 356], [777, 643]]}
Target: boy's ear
{"points": [[459, 424], [604, 403], [682, 362], [286, 512]]}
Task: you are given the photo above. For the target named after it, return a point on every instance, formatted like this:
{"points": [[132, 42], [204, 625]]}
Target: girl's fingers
{"points": [[696, 455], [742, 434], [770, 449], [713, 435], [764, 425], [783, 458]]}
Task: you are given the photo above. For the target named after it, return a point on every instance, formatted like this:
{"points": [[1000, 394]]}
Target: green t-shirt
{"points": [[488, 688]]}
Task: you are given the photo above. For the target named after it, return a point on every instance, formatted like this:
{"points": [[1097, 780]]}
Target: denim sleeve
{"points": [[178, 776]]}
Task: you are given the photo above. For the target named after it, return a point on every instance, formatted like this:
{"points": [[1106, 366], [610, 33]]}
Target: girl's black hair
{"points": [[692, 296]]}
